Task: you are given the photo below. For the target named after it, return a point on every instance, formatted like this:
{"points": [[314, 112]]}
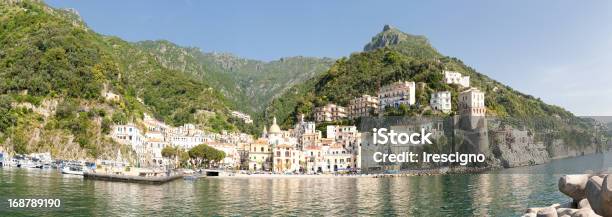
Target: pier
{"points": [[156, 180]]}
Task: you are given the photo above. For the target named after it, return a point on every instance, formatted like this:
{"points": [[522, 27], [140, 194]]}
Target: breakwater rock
{"points": [[591, 195]]}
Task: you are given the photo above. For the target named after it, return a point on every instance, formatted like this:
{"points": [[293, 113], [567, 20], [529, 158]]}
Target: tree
{"points": [[169, 152], [206, 155]]}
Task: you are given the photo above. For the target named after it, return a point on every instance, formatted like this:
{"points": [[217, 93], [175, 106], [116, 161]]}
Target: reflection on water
{"points": [[497, 194]]}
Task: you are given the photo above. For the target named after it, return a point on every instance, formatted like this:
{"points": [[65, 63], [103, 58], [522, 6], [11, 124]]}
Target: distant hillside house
{"points": [[244, 117], [441, 101], [363, 106], [472, 102], [329, 112], [396, 94], [451, 77]]}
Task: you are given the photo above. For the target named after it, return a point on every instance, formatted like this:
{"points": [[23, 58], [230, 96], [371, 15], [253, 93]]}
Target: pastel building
{"points": [[472, 103], [363, 106], [260, 155], [441, 101], [329, 112], [286, 159], [313, 159], [396, 94]]}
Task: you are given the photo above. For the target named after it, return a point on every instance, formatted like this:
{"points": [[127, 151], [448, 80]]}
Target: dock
{"points": [[156, 180]]}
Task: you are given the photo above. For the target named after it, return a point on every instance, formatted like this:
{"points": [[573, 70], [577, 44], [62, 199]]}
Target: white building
{"points": [[337, 131], [451, 77], [130, 135], [441, 101], [398, 93], [472, 102], [187, 136], [127, 134], [186, 141], [337, 159]]}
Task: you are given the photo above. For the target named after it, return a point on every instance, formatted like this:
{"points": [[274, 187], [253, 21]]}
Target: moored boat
{"points": [[72, 170]]}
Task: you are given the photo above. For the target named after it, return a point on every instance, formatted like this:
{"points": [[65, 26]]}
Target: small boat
{"points": [[72, 170]]}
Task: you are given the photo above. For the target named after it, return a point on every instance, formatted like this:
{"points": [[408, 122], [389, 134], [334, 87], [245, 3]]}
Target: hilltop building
{"points": [[395, 94], [451, 77]]}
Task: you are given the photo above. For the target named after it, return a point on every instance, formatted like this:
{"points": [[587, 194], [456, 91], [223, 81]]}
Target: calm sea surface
{"points": [[501, 193]]}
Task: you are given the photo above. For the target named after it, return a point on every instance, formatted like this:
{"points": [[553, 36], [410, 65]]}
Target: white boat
{"points": [[72, 170]]}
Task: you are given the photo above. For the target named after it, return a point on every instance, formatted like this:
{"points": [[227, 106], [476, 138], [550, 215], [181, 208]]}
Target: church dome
{"points": [[274, 129]]}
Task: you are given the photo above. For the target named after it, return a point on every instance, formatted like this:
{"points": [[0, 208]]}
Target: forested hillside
{"points": [[394, 56], [249, 85], [55, 73]]}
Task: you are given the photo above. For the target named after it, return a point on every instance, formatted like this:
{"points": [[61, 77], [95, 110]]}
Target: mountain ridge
{"points": [[242, 80]]}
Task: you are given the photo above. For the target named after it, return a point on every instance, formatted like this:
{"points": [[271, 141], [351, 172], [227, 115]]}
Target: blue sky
{"points": [[560, 51]]}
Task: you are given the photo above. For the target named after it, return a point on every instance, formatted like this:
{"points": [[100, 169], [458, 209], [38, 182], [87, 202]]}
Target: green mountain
{"points": [[54, 76], [248, 84], [393, 56]]}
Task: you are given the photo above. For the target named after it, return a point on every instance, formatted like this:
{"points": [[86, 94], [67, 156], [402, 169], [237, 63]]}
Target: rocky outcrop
{"points": [[591, 196], [559, 149], [515, 148]]}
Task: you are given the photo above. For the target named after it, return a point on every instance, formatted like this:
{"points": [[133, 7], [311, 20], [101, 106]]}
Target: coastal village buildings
{"points": [[363, 106], [329, 112], [302, 149], [398, 93], [451, 77], [441, 101], [472, 102], [155, 135]]}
